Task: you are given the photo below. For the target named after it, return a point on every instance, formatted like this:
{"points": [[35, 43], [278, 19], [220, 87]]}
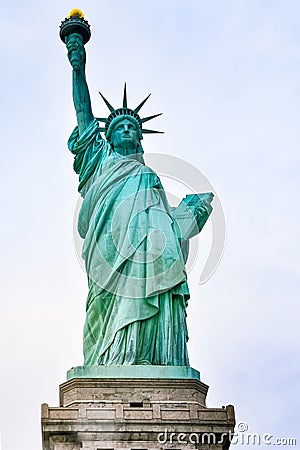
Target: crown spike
{"points": [[141, 104], [125, 97], [101, 119], [151, 131], [111, 108], [145, 119], [102, 129]]}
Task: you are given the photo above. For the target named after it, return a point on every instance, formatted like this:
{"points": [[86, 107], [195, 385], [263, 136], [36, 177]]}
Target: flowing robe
{"points": [[135, 310]]}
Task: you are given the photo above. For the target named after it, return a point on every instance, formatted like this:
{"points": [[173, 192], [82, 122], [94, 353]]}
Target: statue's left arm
{"points": [[191, 214]]}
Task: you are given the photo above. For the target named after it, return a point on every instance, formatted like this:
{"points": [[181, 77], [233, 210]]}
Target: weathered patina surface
{"points": [[133, 245]]}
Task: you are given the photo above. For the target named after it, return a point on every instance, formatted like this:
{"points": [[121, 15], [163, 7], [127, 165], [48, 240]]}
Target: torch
{"points": [[77, 25]]}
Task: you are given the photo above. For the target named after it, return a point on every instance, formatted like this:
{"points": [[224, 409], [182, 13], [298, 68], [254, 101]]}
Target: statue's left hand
{"points": [[201, 214]]}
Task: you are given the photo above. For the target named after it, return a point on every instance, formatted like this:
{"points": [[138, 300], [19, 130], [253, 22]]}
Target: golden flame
{"points": [[76, 12]]}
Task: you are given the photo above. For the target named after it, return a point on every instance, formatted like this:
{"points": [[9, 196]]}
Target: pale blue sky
{"points": [[226, 76]]}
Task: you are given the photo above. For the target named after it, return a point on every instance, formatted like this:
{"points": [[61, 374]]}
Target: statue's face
{"points": [[125, 136]]}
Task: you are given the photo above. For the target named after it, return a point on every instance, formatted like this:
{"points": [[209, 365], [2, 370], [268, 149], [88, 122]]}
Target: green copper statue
{"points": [[135, 244]]}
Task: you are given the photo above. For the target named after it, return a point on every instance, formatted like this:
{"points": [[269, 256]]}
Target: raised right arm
{"points": [[81, 96]]}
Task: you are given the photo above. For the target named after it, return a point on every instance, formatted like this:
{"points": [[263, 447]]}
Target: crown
{"points": [[125, 112]]}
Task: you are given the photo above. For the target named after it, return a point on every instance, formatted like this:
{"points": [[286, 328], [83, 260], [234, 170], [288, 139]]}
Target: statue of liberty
{"points": [[134, 246]]}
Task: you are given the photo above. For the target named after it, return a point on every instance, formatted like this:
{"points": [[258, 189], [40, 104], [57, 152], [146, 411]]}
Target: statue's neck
{"points": [[132, 153], [125, 151]]}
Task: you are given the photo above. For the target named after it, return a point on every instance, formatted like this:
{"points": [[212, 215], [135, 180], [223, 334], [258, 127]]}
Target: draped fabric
{"points": [[135, 311]]}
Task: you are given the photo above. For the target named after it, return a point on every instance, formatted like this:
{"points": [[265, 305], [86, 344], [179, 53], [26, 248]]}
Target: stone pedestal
{"points": [[135, 414]]}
